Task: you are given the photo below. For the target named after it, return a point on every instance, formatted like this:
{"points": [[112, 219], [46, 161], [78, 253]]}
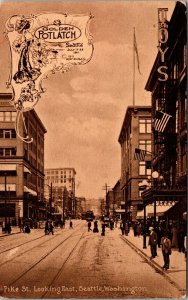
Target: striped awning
{"points": [[30, 191], [160, 210]]}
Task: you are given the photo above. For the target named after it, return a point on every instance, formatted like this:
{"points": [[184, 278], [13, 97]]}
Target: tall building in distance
{"points": [[61, 180], [21, 165], [135, 133]]}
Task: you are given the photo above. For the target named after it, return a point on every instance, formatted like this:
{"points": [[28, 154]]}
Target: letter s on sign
{"points": [[163, 73]]}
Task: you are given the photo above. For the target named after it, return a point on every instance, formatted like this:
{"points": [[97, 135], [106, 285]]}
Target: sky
{"points": [[83, 109]]}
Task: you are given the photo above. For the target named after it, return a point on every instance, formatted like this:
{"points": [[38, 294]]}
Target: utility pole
{"points": [[51, 200], [5, 201], [106, 187]]}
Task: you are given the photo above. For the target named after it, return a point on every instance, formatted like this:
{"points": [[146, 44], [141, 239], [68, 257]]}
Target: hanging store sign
{"points": [[162, 40], [41, 45]]}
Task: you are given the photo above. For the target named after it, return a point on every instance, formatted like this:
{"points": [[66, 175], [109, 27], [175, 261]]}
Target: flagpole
{"points": [[133, 66]]}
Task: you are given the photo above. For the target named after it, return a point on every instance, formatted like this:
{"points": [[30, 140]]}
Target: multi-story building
{"points": [[117, 210], [169, 96], [59, 179], [135, 134], [21, 165], [80, 206]]}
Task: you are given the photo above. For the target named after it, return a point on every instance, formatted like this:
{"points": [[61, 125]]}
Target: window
{"points": [[13, 116], [145, 125], [7, 116], [7, 151], [1, 116], [145, 145], [142, 169], [7, 133]]}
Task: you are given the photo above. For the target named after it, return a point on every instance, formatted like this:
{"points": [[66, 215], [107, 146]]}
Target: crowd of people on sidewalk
{"points": [[164, 235]]}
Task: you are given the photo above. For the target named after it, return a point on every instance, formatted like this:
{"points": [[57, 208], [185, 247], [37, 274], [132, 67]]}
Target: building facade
{"points": [[21, 165], [59, 180], [135, 133], [118, 207], [169, 96]]}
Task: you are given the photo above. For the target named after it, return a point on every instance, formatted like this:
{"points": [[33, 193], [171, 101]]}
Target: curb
{"points": [[8, 234], [153, 264]]}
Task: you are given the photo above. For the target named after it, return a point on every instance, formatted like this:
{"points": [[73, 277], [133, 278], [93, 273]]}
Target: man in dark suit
{"points": [[153, 242]]}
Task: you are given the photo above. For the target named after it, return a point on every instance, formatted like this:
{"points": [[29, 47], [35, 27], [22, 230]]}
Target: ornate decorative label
{"points": [[41, 45]]}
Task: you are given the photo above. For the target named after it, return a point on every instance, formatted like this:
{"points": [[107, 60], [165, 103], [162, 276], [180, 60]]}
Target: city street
{"points": [[75, 263]]}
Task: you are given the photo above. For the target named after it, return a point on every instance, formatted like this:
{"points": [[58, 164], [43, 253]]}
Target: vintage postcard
{"points": [[93, 149]]}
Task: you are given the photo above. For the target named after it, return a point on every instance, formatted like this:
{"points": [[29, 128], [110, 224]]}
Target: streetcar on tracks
{"points": [[90, 215]]}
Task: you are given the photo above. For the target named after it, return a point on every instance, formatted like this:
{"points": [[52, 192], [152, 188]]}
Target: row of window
{"points": [[7, 151], [145, 145], [145, 125], [7, 133], [59, 171], [7, 116]]}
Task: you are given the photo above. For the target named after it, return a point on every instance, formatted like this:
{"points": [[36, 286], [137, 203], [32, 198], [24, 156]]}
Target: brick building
{"points": [[21, 165], [60, 179], [135, 133], [169, 96]]}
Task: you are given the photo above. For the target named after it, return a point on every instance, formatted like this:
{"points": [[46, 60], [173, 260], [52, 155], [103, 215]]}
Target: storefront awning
{"points": [[119, 210], [58, 209], [26, 170], [7, 167], [160, 210], [30, 191]]}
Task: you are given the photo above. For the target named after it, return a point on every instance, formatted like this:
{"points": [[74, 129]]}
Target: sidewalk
{"points": [[177, 271], [15, 230]]}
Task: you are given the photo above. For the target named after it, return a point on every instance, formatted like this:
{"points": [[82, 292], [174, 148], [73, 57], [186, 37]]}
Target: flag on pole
{"points": [[160, 121], [139, 154], [136, 51]]}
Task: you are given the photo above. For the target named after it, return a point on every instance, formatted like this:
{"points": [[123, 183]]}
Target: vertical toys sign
{"points": [[162, 40]]}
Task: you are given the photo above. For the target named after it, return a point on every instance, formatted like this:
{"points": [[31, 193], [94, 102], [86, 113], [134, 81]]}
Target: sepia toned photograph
{"points": [[93, 149]]}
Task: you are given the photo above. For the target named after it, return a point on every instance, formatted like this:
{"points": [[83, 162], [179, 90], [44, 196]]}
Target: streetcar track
{"points": [[27, 250], [40, 260], [19, 245], [62, 266]]}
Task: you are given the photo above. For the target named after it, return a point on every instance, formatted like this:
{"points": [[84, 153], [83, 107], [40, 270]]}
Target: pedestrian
{"points": [[139, 229], [135, 229], [153, 242], [46, 228], [95, 229], [71, 225], [166, 250], [9, 229], [27, 228], [51, 228], [89, 226], [111, 224], [174, 232], [126, 228], [181, 237], [159, 235], [103, 229], [122, 227]]}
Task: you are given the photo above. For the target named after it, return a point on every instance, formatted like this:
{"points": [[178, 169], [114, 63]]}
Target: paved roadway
{"points": [[74, 263]]}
